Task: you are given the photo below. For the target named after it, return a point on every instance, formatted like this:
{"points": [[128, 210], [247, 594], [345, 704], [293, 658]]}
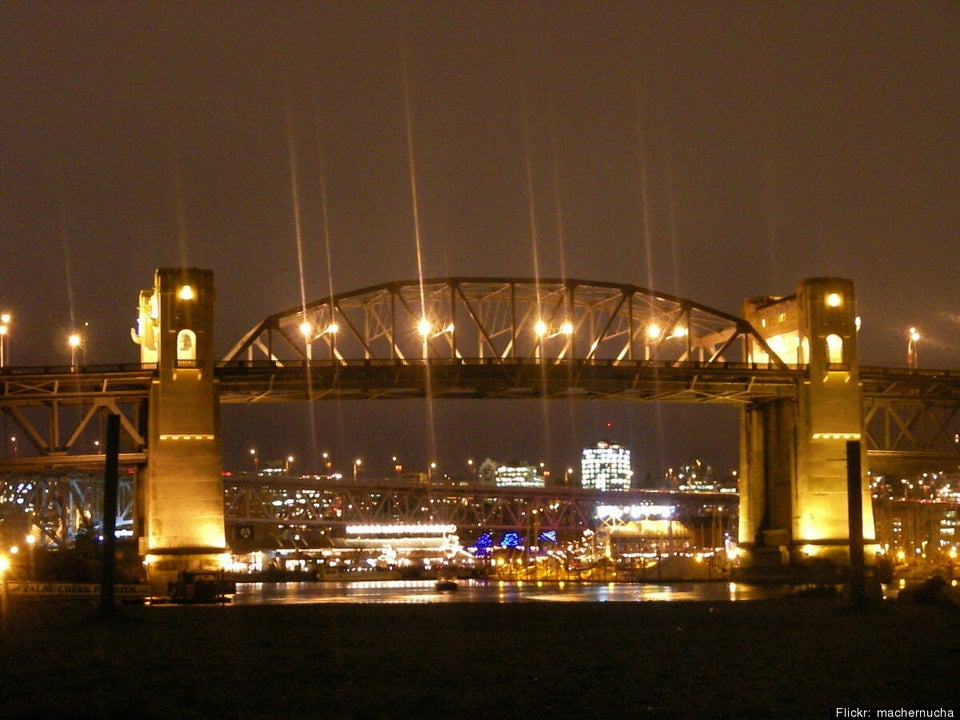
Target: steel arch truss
{"points": [[500, 319]]}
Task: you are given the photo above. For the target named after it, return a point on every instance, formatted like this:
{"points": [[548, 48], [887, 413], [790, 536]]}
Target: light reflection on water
{"points": [[424, 591]]}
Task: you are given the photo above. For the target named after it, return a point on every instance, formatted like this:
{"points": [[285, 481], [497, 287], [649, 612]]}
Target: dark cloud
{"points": [[714, 150]]}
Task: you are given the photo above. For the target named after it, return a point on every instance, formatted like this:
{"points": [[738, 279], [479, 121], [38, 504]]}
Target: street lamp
{"points": [[4, 339], [253, 456], [288, 465], [76, 345], [306, 329], [913, 349], [356, 468]]}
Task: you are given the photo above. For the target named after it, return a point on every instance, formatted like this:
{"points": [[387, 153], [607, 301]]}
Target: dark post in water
{"points": [[858, 582], [110, 482]]}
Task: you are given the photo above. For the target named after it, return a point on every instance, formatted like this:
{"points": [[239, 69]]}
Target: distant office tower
{"points": [[605, 466], [519, 475]]}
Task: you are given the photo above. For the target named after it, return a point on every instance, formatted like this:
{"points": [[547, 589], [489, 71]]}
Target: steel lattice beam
{"points": [[514, 318]]}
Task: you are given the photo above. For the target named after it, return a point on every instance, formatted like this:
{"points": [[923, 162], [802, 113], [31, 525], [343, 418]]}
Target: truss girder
{"points": [[55, 413], [911, 412], [504, 318], [302, 503]]}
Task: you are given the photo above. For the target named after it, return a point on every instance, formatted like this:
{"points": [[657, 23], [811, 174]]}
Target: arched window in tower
{"points": [[186, 345], [803, 351], [834, 349]]}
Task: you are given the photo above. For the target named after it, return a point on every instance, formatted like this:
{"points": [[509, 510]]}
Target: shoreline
{"points": [[789, 658]]}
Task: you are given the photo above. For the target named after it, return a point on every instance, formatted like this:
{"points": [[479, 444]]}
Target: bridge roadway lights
{"points": [[794, 520], [181, 506]]}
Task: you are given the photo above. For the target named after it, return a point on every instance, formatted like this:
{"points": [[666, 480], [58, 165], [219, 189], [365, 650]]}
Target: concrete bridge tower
{"points": [[793, 472], [180, 505]]}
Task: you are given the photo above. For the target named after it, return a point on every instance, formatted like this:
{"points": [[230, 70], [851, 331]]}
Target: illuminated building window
{"points": [[605, 466], [834, 349], [186, 345], [519, 476]]}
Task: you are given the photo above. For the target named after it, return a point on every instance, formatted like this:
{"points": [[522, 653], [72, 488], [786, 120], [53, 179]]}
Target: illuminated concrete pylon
{"points": [[793, 472], [181, 502]]}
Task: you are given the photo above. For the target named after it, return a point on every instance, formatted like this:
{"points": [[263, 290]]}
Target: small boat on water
{"points": [[446, 585]]}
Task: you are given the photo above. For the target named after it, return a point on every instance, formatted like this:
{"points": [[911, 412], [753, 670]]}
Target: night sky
{"points": [[714, 150]]}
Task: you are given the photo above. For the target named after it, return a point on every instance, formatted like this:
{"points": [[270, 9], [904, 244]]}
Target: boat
{"points": [[446, 585]]}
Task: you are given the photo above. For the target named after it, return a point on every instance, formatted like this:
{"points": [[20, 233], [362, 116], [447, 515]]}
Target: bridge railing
{"points": [[490, 361], [81, 368]]}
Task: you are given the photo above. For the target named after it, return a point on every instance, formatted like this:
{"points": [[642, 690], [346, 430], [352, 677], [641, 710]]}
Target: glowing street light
{"points": [[356, 468], [253, 456], [913, 349], [75, 342], [306, 329]]}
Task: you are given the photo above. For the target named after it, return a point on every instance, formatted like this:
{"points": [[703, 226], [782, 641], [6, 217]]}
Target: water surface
{"points": [[425, 591]]}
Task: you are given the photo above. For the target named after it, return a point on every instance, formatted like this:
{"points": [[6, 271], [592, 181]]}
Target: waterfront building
{"points": [[605, 466]]}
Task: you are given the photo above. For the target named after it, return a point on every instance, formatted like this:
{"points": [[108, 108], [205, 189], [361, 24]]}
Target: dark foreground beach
{"points": [[788, 658]]}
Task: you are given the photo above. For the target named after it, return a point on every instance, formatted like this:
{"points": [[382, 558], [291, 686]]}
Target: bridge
{"points": [[790, 364]]}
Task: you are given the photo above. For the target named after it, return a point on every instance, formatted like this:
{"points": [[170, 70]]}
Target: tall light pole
{"points": [[356, 468], [4, 339], [306, 329], [76, 344], [913, 348]]}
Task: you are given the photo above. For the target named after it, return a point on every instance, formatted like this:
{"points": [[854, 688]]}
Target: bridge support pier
{"points": [[793, 469], [182, 498]]}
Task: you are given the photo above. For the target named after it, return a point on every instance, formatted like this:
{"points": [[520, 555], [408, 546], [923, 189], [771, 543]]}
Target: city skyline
{"points": [[714, 151]]}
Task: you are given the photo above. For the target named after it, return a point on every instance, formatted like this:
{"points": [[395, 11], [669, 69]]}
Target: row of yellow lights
{"points": [[540, 329]]}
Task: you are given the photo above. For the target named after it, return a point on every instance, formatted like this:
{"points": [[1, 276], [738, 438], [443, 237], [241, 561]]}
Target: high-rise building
{"points": [[605, 466]]}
